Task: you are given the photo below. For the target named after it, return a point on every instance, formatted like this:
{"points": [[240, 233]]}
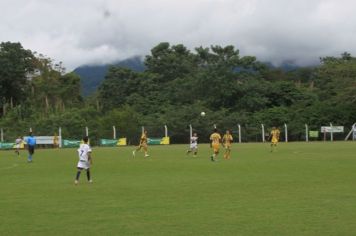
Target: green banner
{"points": [[154, 141], [7, 145], [108, 142], [71, 143], [313, 134]]}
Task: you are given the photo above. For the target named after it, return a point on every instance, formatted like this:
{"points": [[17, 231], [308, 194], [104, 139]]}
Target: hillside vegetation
{"points": [[176, 85]]}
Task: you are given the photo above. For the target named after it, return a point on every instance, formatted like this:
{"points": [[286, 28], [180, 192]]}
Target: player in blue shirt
{"points": [[31, 143]]}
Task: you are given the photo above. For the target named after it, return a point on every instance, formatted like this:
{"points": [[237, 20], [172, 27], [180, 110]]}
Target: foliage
{"points": [[15, 64], [176, 85]]}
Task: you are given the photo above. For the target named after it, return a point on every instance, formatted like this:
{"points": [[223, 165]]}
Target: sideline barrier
{"points": [[11, 145], [113, 142], [158, 141], [70, 143], [7, 145], [313, 134]]}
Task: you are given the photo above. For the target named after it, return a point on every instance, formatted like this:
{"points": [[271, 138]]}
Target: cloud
{"points": [[89, 31]]}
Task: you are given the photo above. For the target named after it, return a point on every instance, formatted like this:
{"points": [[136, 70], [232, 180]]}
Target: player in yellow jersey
{"points": [[215, 139], [143, 145], [55, 141], [274, 137], [227, 140]]}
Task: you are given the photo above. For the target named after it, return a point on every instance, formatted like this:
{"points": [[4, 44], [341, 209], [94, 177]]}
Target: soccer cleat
{"points": [[76, 182], [90, 181], [212, 158], [133, 153], [147, 155]]}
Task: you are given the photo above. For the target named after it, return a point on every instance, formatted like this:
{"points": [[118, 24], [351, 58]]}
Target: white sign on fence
{"points": [[334, 129]]}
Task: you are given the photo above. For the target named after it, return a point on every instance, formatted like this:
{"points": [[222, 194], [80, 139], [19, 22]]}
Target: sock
{"points": [[88, 174], [78, 175]]}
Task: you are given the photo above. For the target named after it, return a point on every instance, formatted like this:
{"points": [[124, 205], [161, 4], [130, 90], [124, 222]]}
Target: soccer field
{"points": [[301, 189]]}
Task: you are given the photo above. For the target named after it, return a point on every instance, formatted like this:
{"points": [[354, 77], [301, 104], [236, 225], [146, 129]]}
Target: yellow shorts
{"points": [[216, 147], [227, 145], [274, 141]]}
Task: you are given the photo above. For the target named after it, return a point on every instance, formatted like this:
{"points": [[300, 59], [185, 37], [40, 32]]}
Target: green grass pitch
{"points": [[301, 189]]}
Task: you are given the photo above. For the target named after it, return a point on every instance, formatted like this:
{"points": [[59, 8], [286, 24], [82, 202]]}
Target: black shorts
{"points": [[31, 150]]}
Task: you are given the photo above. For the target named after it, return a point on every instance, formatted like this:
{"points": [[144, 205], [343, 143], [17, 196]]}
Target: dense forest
{"points": [[176, 85]]}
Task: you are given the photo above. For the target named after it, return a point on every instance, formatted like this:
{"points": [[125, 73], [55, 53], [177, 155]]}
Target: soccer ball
{"points": [[202, 113]]}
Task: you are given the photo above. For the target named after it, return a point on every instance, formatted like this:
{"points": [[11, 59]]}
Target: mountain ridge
{"points": [[92, 75]]}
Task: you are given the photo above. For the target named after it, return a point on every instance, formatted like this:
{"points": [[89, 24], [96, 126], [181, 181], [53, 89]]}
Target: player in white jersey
{"points": [[193, 145], [85, 160], [18, 143]]}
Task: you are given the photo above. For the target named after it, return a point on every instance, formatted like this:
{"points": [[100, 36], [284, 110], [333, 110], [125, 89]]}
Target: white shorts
{"points": [[83, 164], [193, 146], [18, 146]]}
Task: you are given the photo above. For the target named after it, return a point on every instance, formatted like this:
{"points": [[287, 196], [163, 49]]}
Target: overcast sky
{"points": [[81, 32]]}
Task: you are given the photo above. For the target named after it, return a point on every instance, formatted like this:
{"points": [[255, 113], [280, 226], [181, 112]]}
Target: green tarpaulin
{"points": [[154, 141], [71, 143], [7, 145], [108, 142], [313, 134]]}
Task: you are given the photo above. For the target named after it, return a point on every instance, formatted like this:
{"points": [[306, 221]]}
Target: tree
{"points": [[16, 64], [119, 83], [170, 62], [52, 89]]}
